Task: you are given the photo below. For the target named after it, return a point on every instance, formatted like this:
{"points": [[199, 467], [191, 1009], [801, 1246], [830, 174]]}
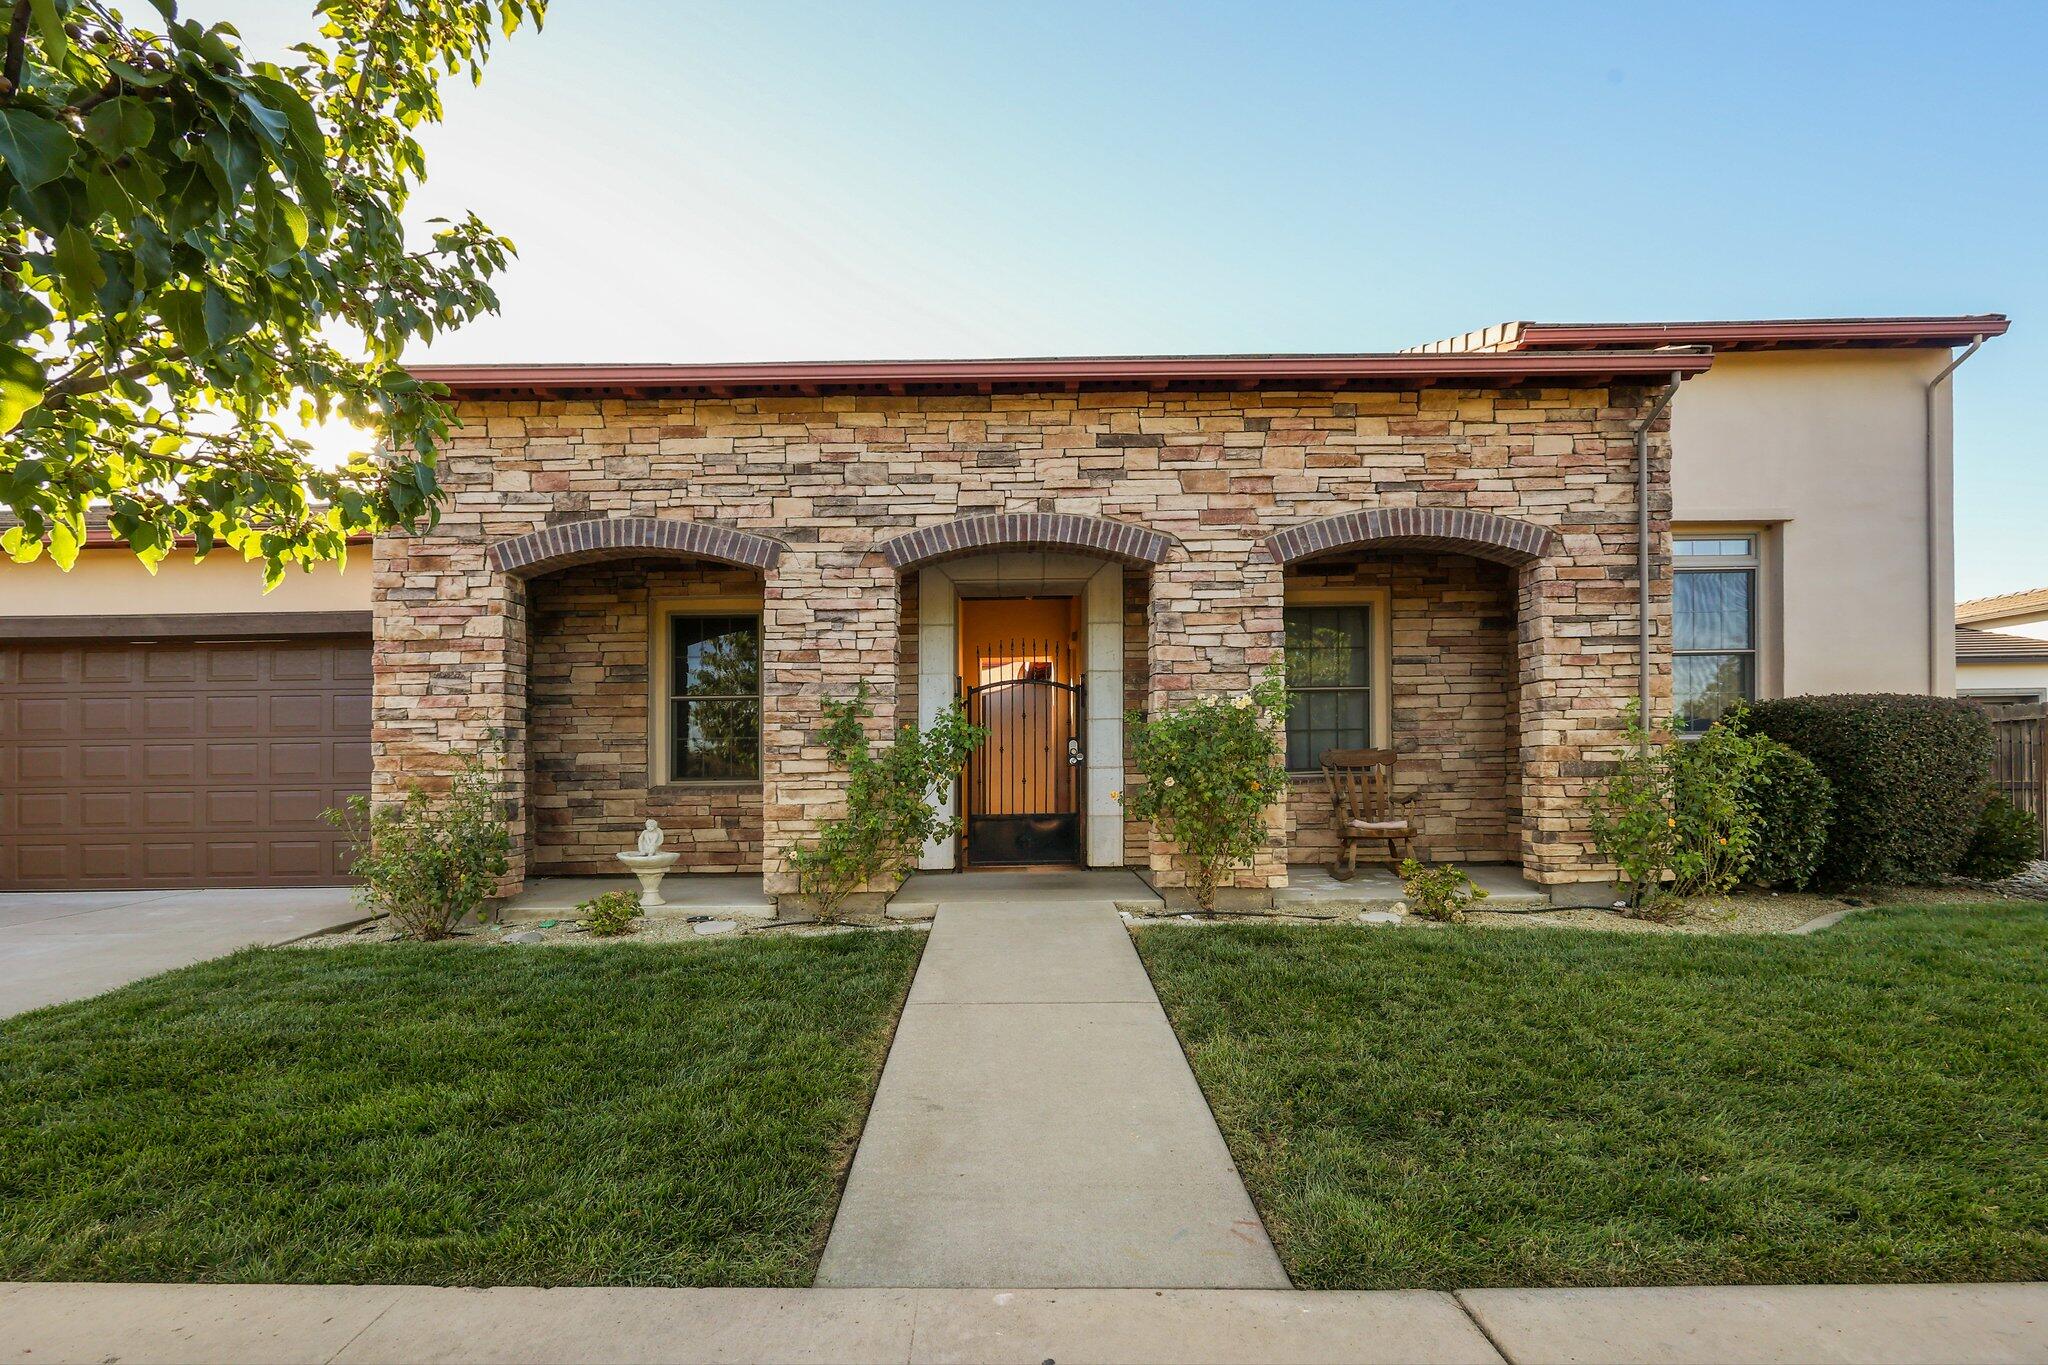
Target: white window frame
{"points": [[1380, 656], [1762, 597], [660, 656]]}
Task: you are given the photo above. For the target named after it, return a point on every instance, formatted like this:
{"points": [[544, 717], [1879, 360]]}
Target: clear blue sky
{"points": [[748, 180]]}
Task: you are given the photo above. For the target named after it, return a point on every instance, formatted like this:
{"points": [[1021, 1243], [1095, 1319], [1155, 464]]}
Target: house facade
{"points": [[647, 579], [2002, 648]]}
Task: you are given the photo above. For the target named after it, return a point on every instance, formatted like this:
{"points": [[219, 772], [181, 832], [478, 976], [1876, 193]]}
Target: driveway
{"points": [[66, 945]]}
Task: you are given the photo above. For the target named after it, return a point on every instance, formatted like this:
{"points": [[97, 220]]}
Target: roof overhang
{"points": [[1284, 372], [1514, 338]]}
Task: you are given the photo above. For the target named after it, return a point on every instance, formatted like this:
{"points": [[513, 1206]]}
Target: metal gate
{"points": [[1023, 788]]}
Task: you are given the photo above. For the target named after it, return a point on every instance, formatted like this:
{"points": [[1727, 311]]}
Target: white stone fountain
{"points": [[650, 864]]}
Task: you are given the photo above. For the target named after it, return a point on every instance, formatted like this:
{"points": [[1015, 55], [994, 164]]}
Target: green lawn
{"points": [[1498, 1107], [450, 1114]]}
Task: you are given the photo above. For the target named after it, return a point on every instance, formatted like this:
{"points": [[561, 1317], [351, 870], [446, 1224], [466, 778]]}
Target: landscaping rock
{"points": [[525, 936], [717, 926], [1381, 917]]}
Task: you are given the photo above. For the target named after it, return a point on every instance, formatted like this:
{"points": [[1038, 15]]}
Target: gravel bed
{"points": [[565, 932]]}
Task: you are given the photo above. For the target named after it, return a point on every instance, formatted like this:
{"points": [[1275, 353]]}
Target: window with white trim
{"points": [[1713, 626], [714, 697], [1329, 681]]}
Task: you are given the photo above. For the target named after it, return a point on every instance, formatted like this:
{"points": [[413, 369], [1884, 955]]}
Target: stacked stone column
{"points": [[1216, 626], [828, 624]]}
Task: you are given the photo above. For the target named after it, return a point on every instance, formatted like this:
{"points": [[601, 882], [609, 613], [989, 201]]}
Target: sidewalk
{"points": [[81, 1324], [1037, 1124]]}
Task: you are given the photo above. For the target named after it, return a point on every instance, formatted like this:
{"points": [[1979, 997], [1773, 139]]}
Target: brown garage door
{"points": [[179, 762]]}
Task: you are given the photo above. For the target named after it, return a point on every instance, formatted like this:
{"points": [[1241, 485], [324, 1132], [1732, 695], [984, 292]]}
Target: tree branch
{"points": [[17, 46]]}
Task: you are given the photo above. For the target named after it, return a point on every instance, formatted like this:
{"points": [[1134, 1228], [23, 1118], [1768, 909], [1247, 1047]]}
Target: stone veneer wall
{"points": [[1453, 706], [830, 477], [588, 718]]}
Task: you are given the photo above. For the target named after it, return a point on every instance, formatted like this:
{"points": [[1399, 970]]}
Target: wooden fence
{"points": [[2019, 761]]}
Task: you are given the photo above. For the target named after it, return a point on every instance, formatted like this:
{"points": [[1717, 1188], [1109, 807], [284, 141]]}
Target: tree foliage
{"points": [[196, 247]]}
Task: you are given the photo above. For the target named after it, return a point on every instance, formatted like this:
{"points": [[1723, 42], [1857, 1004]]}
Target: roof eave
{"points": [[1295, 372]]}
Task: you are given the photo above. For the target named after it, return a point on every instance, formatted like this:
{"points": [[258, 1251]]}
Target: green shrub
{"points": [[611, 914], [1790, 803], [889, 815], [1711, 776], [1631, 815], [1212, 767], [2006, 840], [426, 863], [1439, 891], [1907, 775]]}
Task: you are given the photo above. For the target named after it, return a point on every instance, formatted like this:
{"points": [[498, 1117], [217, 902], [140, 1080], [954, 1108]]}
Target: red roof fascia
{"points": [[1761, 335], [1137, 372]]}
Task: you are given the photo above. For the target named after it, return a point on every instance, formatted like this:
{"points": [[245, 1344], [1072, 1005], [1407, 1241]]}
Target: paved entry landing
{"points": [[1037, 1126]]}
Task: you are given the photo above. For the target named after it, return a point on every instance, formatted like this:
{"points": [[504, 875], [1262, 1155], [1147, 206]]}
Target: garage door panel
{"points": [[105, 861], [304, 712], [106, 715], [163, 664], [237, 713], [172, 763], [108, 763], [43, 763], [106, 664], [105, 811], [42, 812], [171, 716], [49, 666], [289, 806]]}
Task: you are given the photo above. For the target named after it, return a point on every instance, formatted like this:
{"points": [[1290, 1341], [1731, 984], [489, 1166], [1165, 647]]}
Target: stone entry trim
{"points": [[1503, 540], [577, 542], [1117, 540]]}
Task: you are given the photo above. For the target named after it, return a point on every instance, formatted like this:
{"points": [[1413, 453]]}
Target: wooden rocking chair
{"points": [[1362, 805]]}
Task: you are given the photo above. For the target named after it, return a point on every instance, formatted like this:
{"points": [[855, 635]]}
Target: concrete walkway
{"points": [[1037, 1124], [136, 1324], [66, 945]]}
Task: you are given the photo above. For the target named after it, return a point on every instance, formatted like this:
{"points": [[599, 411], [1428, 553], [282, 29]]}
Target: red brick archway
{"points": [[583, 542], [1482, 535], [1061, 532]]}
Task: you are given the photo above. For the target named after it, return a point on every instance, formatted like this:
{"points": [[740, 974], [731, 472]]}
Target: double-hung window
{"points": [[714, 698], [1329, 681], [1713, 626]]}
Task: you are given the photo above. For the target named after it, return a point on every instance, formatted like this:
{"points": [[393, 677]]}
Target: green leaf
{"points": [[120, 125], [224, 319], [20, 546], [63, 544], [21, 386], [50, 20], [78, 268], [37, 150]]}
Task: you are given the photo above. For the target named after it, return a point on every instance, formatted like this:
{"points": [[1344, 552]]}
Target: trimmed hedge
{"points": [[1908, 775], [1791, 803]]}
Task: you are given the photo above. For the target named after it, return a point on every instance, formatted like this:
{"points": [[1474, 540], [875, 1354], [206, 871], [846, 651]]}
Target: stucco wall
{"points": [[1828, 448], [2003, 677], [112, 582]]}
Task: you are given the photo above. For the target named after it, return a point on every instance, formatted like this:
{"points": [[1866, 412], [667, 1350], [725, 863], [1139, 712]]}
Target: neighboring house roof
{"points": [[1996, 647], [2028, 603], [1400, 370], [1757, 335]]}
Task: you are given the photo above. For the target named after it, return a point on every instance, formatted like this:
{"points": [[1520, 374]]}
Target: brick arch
{"points": [[1062, 531], [1504, 540], [582, 542]]}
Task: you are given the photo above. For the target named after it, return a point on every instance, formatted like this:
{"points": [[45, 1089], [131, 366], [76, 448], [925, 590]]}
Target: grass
{"points": [[450, 1114], [1473, 1107]]}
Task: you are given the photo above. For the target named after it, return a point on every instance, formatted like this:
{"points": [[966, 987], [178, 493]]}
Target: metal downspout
{"points": [[1642, 435], [1936, 613]]}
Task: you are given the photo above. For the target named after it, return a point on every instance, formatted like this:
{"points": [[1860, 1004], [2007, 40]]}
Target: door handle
{"points": [[1074, 758]]}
